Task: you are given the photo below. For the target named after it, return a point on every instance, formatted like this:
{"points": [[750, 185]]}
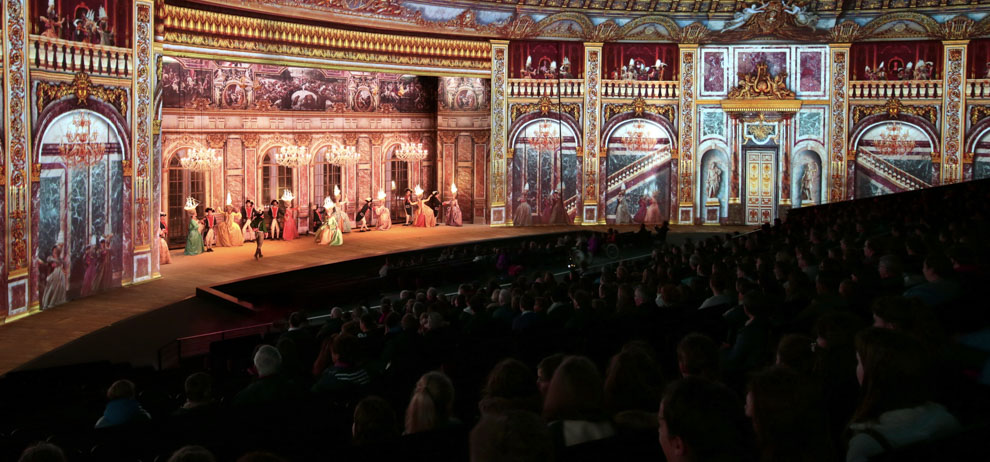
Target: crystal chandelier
{"points": [[638, 139], [201, 159], [894, 141], [292, 156], [339, 155], [547, 137], [79, 147], [411, 152]]}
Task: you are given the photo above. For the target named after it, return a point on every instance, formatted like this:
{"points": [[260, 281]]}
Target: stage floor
{"points": [[28, 338]]}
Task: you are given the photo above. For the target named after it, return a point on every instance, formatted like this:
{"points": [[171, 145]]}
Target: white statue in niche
{"points": [[714, 182], [808, 180]]}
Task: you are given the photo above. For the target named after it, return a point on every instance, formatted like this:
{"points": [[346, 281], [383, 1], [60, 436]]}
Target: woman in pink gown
{"points": [[652, 213], [290, 231], [425, 217], [641, 211], [384, 219]]}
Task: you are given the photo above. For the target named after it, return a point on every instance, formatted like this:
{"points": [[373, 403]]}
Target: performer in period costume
{"points": [[90, 259], [407, 204], [641, 211], [194, 240], [55, 283], [558, 216], [424, 216], [434, 204], [274, 220], [247, 212], [258, 229], [652, 212], [319, 216], [329, 233], [210, 226], [234, 227], [291, 230], [362, 215], [524, 214], [343, 221], [164, 257], [453, 217], [384, 218], [222, 230], [622, 216], [105, 279]]}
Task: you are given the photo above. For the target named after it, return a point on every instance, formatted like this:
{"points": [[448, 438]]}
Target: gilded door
{"points": [[759, 187]]}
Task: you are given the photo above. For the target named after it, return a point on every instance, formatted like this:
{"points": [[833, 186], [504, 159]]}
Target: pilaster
{"points": [[500, 211], [686, 133], [591, 203], [16, 168], [953, 110], [838, 115]]}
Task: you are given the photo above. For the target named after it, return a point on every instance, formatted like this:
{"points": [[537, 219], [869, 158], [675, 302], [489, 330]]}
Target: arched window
{"points": [[275, 179], [325, 177], [182, 183], [398, 174]]}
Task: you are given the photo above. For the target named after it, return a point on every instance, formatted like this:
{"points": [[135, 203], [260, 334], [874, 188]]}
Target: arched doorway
{"points": [[893, 156], [638, 170], [544, 165], [182, 183], [81, 217]]}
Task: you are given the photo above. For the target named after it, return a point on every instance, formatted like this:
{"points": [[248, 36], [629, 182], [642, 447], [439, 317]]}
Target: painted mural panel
{"points": [[464, 94], [776, 61], [545, 176], [714, 72], [893, 157], [637, 173], [811, 72], [201, 84], [81, 226]]}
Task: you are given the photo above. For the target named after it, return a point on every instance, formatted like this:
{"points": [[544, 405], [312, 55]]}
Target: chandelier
{"points": [[547, 137], [411, 152], [292, 156], [79, 147], [201, 159], [638, 139], [339, 155], [894, 141]]}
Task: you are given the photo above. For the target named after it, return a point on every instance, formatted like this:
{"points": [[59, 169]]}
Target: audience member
{"points": [[122, 407], [703, 421]]}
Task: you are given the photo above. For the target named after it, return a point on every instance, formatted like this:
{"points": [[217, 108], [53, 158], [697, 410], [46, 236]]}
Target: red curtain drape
{"points": [[618, 55], [894, 55]]}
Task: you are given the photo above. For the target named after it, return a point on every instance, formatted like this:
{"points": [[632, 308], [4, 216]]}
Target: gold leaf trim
{"points": [[82, 88]]}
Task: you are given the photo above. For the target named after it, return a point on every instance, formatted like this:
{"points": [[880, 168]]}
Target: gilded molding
{"points": [[499, 151], [954, 112], [638, 107], [893, 108], [544, 107], [82, 88], [216, 140], [250, 140], [686, 130], [978, 113], [17, 138], [592, 127], [838, 114]]}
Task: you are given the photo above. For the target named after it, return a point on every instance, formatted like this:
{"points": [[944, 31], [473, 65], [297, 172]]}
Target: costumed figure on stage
{"points": [[424, 214], [652, 211], [641, 211], [453, 217], [222, 229], [247, 214], [329, 233], [319, 216], [434, 204], [274, 220], [210, 226], [258, 227], [622, 215], [291, 230], [362, 215], [381, 211], [407, 205], [90, 258], [558, 215], [56, 282], [523, 215], [164, 257], [194, 240], [234, 226], [343, 221]]}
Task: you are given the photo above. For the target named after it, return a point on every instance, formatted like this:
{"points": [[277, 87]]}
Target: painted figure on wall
{"points": [[808, 181], [637, 165], [99, 22], [622, 215], [56, 281], [546, 169]]}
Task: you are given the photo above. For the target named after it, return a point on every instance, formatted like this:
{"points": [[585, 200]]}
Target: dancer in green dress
{"points": [[194, 240]]}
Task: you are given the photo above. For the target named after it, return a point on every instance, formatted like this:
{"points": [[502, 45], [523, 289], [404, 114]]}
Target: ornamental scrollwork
{"points": [[639, 107], [544, 107], [82, 88], [978, 113], [894, 108]]}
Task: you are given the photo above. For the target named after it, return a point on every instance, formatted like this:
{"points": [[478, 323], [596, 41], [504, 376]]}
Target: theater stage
{"points": [[26, 339]]}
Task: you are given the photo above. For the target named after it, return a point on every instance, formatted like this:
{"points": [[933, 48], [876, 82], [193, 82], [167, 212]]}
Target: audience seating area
{"points": [[802, 341]]}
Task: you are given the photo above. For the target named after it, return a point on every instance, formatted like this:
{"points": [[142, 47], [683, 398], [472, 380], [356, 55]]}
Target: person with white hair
{"points": [[271, 386]]}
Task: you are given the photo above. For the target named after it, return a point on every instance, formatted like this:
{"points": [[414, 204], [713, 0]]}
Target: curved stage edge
{"points": [[25, 341]]}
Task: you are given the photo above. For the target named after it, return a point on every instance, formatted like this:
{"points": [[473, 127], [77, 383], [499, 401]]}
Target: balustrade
{"points": [[60, 55], [900, 89], [536, 88], [978, 88], [639, 89]]}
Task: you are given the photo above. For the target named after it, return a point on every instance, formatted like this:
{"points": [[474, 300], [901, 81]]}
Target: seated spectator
{"points": [[344, 375], [510, 386], [575, 403], [432, 404], [270, 386], [42, 452], [513, 435], [750, 348], [192, 454], [199, 394], [529, 319], [122, 408], [795, 351], [697, 356], [305, 341], [633, 385], [788, 413], [545, 370], [895, 410], [374, 423], [703, 421], [907, 315], [938, 289]]}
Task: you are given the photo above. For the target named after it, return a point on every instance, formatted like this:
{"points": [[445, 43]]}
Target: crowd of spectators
{"points": [[852, 331]]}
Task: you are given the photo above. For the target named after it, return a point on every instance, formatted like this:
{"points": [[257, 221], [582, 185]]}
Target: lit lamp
{"points": [[418, 190], [381, 195], [292, 156], [228, 198]]}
